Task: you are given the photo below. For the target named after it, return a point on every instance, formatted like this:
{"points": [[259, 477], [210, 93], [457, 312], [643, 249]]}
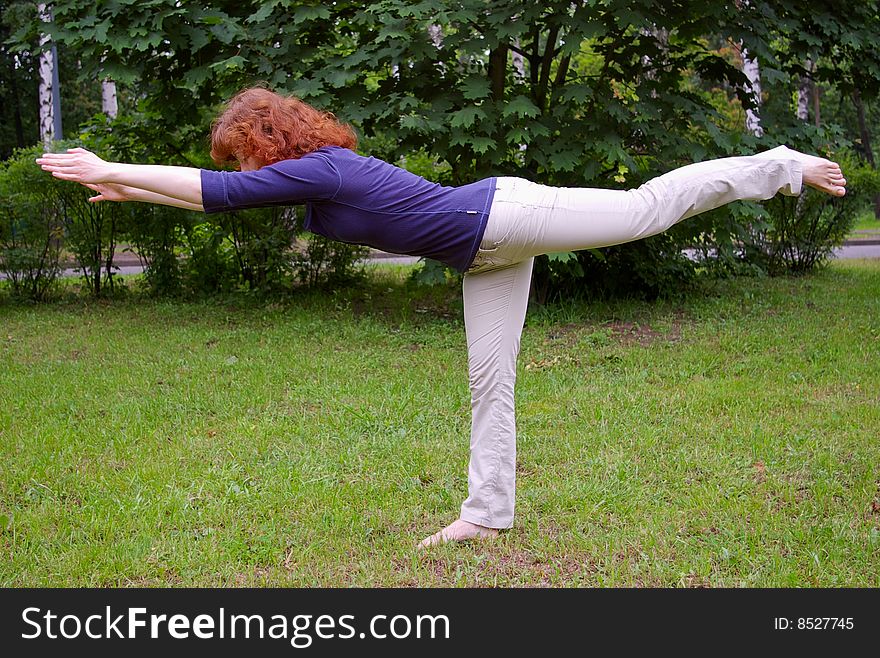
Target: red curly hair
{"points": [[261, 124]]}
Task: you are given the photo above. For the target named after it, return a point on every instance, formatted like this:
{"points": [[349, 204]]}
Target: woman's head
{"points": [[260, 125]]}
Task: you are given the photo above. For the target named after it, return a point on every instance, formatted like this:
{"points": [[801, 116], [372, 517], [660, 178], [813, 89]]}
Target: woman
{"points": [[491, 230]]}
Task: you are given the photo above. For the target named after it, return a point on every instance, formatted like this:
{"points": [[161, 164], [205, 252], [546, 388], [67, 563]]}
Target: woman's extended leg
{"points": [[494, 310], [569, 219]]}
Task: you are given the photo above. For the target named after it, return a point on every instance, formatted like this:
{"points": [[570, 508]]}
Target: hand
{"points": [[78, 165], [110, 192]]}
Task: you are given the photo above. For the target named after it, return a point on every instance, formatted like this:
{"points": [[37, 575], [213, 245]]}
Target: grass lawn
{"points": [[726, 439], [867, 222]]}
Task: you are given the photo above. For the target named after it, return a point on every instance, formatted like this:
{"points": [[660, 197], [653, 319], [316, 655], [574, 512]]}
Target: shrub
{"points": [[255, 248], [262, 241], [327, 261], [157, 233], [210, 263], [91, 232], [649, 268], [31, 226], [801, 233]]}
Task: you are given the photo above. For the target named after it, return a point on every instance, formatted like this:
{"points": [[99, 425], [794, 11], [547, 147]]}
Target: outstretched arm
{"points": [[115, 192], [168, 182]]}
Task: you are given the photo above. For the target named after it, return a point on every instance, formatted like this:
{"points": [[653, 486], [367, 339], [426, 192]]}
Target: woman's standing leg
{"points": [[495, 304]]}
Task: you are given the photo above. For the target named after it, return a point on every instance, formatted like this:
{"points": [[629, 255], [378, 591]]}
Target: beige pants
{"points": [[527, 219]]}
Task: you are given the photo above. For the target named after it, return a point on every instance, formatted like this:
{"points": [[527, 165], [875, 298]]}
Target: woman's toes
{"points": [[459, 530]]}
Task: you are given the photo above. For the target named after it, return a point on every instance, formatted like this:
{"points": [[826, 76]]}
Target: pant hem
{"points": [[476, 519]]}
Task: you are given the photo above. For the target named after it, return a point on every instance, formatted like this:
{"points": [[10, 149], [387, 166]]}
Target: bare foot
{"points": [[824, 175], [459, 530]]}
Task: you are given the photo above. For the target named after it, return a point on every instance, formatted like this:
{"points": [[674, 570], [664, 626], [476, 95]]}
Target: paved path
{"points": [[128, 264], [851, 250]]}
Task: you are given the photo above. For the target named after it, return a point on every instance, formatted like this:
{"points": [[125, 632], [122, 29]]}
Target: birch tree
{"points": [[753, 73], [49, 128], [803, 101], [108, 98]]}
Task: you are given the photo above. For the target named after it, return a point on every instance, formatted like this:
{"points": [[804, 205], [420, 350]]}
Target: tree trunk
{"points": [[46, 88], [546, 61], [866, 140], [649, 67], [108, 98], [435, 31], [753, 73], [519, 68], [498, 70], [803, 112], [863, 127], [535, 56]]}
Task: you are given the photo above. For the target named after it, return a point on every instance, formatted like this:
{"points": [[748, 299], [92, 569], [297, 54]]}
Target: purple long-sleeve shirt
{"points": [[363, 200]]}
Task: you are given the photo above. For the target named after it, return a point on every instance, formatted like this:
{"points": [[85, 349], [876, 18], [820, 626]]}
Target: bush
{"points": [[210, 265], [262, 242], [31, 225], [801, 233], [649, 268], [157, 233], [328, 261], [255, 248], [91, 233]]}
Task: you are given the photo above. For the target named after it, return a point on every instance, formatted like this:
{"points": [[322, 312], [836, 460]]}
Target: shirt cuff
{"points": [[214, 197]]}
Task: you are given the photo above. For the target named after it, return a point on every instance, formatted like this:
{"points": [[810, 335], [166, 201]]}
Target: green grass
{"points": [[727, 439], [867, 221]]}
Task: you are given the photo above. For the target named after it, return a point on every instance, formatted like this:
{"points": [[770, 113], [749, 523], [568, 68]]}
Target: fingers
{"points": [[72, 155], [56, 161], [96, 199], [61, 175], [58, 158], [64, 176], [64, 166]]}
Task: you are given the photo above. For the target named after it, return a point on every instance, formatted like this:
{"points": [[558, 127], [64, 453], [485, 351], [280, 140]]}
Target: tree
{"points": [[17, 86], [50, 108], [108, 98], [569, 93]]}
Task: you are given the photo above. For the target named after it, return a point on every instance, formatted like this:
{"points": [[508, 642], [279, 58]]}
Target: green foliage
{"points": [[787, 235], [157, 233], [327, 261], [803, 232], [91, 234], [31, 227], [209, 266], [18, 83], [607, 95], [262, 241], [800, 233], [431, 273], [647, 269], [862, 179]]}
